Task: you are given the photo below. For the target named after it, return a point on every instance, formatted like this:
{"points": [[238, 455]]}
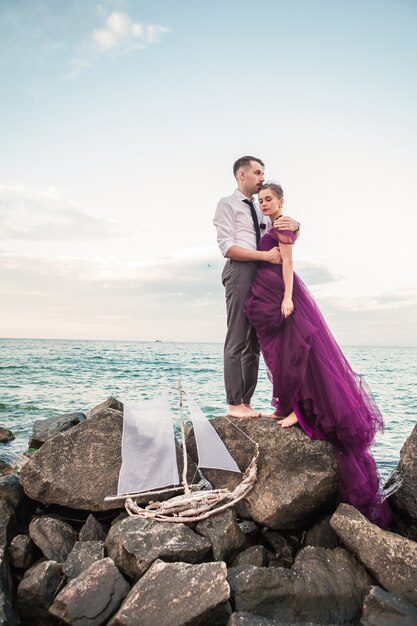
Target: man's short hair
{"points": [[245, 162]]}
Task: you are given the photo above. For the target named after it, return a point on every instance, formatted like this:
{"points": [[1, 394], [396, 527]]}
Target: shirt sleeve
{"points": [[225, 225]]}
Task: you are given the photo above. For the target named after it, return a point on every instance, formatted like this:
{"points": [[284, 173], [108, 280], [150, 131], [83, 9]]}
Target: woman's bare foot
{"points": [[272, 416], [290, 420], [241, 411]]}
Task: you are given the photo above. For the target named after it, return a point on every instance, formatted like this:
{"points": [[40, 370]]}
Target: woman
{"points": [[313, 384]]}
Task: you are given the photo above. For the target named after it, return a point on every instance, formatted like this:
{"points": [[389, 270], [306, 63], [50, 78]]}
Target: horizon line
{"points": [[350, 345]]}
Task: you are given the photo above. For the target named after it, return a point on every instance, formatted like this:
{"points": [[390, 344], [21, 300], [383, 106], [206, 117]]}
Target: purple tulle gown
{"points": [[311, 376]]}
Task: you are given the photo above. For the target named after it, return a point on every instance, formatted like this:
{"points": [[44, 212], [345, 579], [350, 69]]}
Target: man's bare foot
{"points": [[290, 420], [241, 410], [248, 406]]}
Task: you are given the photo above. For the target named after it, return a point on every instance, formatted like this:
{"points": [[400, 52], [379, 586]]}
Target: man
{"points": [[238, 221]]}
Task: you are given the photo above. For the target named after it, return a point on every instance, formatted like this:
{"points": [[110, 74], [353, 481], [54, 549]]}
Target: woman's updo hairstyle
{"points": [[274, 187]]}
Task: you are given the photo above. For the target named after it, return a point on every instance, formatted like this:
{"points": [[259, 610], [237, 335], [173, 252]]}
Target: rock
{"points": [[251, 531], [52, 474], [54, 537], [135, 543], [250, 619], [382, 608], [83, 554], [6, 435], [57, 472], [43, 430], [36, 592], [176, 594], [118, 518], [224, 534], [110, 403], [323, 586], [255, 555], [93, 597], [92, 530], [7, 617], [403, 526], [322, 535], [11, 490], [283, 546], [8, 524], [22, 552], [297, 477], [390, 558], [6, 468], [404, 501]]}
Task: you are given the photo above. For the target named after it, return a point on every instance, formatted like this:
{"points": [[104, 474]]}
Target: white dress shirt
{"points": [[234, 224]]}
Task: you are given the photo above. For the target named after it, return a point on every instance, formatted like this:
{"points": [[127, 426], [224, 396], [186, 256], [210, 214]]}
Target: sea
{"points": [[41, 378]]}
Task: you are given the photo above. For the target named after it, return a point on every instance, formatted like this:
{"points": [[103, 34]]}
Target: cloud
{"points": [[166, 298], [118, 35], [314, 273], [377, 302], [45, 216], [177, 297], [381, 319]]}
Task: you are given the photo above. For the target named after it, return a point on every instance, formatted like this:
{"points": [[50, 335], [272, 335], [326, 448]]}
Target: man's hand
{"points": [[286, 223], [273, 256]]}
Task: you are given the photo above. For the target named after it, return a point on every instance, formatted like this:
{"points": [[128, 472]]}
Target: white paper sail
{"points": [[149, 458], [211, 450]]}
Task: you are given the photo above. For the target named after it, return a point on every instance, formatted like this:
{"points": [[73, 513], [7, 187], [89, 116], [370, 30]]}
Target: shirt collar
{"points": [[238, 194]]}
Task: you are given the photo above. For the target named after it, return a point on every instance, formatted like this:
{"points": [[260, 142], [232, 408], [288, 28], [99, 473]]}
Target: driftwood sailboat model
{"points": [[149, 463]]}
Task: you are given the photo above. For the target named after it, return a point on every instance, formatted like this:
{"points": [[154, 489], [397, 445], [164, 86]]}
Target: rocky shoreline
{"points": [[285, 555]]}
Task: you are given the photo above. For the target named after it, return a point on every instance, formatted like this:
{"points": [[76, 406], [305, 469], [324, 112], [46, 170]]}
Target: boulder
{"points": [[80, 467], [22, 552], [110, 403], [255, 555], [297, 477], [135, 543], [93, 597], [176, 594], [322, 535], [54, 537], [382, 608], [8, 523], [390, 558], [323, 587], [11, 491], [83, 554], [92, 530], [7, 617], [224, 534], [36, 592], [43, 430], [6, 435], [404, 501]]}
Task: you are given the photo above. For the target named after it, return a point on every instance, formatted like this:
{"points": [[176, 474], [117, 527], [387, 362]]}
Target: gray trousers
{"points": [[241, 348]]}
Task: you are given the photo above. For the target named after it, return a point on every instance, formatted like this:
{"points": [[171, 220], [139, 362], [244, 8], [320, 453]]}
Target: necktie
{"points": [[255, 220]]}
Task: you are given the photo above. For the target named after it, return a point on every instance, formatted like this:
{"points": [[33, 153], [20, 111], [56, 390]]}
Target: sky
{"points": [[120, 121]]}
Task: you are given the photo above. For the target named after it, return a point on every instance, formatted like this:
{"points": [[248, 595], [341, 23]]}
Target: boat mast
{"points": [[187, 489]]}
